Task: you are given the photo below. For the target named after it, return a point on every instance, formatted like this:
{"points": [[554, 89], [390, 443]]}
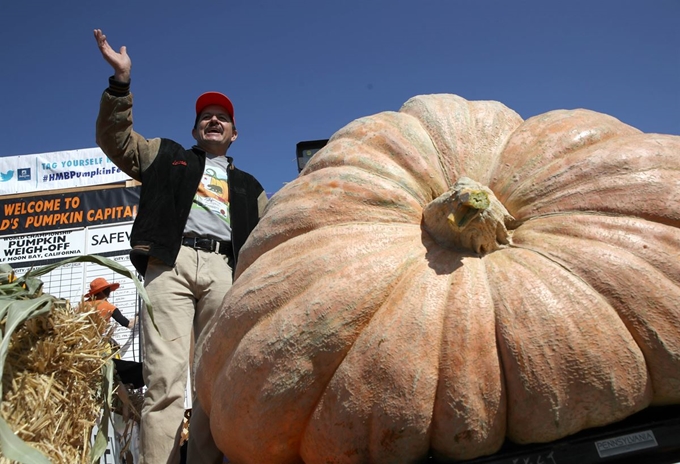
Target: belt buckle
{"points": [[191, 242], [216, 248]]}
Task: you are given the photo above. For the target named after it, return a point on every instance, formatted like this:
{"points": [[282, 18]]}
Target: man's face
{"points": [[214, 128]]}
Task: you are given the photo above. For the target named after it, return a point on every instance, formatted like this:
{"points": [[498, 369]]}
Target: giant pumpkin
{"points": [[444, 277]]}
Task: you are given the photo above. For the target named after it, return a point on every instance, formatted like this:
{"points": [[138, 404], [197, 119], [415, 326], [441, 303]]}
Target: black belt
{"points": [[208, 244]]}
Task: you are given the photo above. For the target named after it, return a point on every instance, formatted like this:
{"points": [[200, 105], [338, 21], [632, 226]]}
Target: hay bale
{"points": [[53, 384]]}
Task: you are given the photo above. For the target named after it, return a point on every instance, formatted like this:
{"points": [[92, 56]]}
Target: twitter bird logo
{"points": [[6, 176]]}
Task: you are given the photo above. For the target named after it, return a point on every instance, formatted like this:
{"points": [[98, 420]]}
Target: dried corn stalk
{"points": [[56, 372], [52, 382]]}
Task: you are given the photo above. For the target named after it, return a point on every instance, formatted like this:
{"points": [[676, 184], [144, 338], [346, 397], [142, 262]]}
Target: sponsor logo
{"points": [[24, 174], [626, 443], [177, 162]]}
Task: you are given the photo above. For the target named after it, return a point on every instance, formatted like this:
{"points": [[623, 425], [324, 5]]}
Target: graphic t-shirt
{"points": [[209, 215]]}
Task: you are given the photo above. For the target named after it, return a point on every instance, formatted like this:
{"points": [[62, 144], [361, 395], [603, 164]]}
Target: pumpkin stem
{"points": [[468, 216]]}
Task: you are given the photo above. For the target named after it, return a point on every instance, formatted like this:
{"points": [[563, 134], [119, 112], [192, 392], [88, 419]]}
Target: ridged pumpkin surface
{"points": [[358, 332]]}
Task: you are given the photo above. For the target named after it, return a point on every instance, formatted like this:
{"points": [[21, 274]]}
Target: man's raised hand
{"points": [[119, 61]]}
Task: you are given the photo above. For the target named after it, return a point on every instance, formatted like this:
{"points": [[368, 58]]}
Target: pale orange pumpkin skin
{"points": [[353, 335]]}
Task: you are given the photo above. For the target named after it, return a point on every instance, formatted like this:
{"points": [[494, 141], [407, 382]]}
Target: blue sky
{"points": [[302, 69]]}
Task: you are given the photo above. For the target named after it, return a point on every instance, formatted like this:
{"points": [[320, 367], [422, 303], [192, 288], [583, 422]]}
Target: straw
{"points": [[52, 382]]}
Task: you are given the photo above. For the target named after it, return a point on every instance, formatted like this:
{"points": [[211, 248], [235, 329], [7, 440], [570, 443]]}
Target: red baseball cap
{"points": [[215, 98]]}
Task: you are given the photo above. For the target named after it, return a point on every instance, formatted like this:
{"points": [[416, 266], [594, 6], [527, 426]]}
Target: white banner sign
{"points": [[45, 246], [57, 170], [101, 240]]}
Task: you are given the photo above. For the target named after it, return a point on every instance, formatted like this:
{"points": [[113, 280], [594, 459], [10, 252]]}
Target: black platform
{"points": [[651, 436]]}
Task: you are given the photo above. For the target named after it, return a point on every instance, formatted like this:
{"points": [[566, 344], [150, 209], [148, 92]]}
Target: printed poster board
{"points": [[44, 229]]}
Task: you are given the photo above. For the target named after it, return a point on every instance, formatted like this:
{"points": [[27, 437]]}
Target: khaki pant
{"points": [[183, 298]]}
